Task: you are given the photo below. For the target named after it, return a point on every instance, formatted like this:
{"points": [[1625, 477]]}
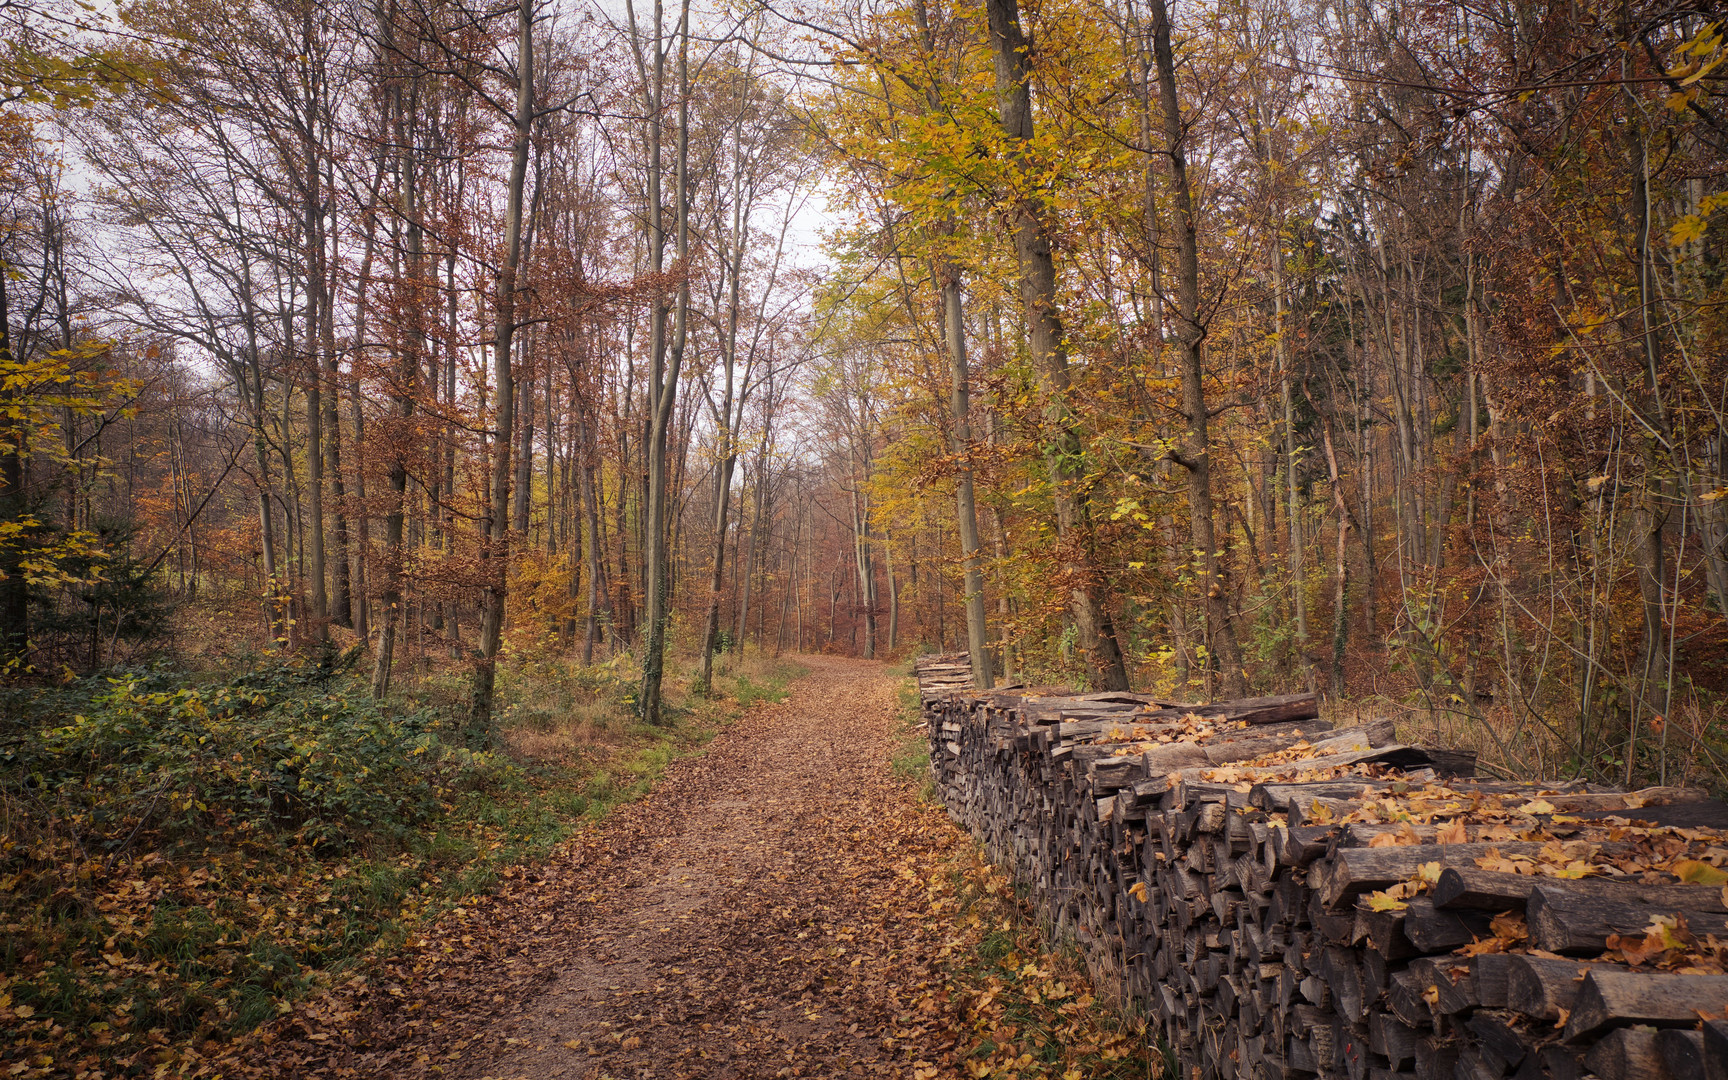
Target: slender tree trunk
{"points": [[495, 549], [1032, 246], [407, 382], [1341, 568], [965, 503], [717, 568], [664, 383], [1292, 470], [14, 594], [758, 495], [1196, 453]]}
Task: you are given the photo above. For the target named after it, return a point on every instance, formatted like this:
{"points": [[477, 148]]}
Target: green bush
{"points": [[274, 751]]}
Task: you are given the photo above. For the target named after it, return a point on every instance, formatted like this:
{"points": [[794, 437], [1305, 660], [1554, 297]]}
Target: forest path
{"points": [[765, 911]]}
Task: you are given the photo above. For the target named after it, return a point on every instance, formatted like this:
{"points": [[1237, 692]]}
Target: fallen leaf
{"points": [[1694, 872]]}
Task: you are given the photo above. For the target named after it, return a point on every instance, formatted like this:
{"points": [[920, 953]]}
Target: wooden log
{"points": [[1468, 887], [1491, 972], [1392, 1039], [1541, 987], [1349, 872], [1446, 984], [1566, 920], [1265, 710], [1681, 1051], [1432, 930], [1715, 1038], [1627, 1054], [1499, 1040], [1561, 1063], [1613, 997], [1436, 1058]]}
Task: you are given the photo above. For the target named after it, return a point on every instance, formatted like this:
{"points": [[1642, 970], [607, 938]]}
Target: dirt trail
{"points": [[764, 912]]}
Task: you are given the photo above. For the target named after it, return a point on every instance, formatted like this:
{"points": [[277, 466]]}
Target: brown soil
{"points": [[773, 908]]}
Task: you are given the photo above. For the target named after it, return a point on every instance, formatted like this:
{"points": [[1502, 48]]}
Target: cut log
{"points": [[1627, 1054], [1567, 920], [1541, 987], [1681, 1051], [1468, 887], [1715, 1039], [1614, 997]]}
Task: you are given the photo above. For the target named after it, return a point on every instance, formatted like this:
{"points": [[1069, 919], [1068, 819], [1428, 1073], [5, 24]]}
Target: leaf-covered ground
{"points": [[784, 905]]}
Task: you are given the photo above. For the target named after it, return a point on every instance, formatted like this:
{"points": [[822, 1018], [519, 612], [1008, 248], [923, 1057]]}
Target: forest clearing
{"points": [[471, 476]]}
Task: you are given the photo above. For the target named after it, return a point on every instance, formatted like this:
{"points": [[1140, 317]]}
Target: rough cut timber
{"points": [[1291, 901]]}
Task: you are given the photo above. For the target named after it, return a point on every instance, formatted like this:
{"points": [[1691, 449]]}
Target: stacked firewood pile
{"points": [[1289, 899]]}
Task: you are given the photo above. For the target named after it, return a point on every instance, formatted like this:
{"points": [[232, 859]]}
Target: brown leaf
{"points": [[1455, 833]]}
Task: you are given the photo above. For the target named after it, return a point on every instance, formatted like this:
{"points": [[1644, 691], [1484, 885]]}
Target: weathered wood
{"points": [[1353, 871], [1613, 997], [1468, 887], [1627, 1054], [1250, 945], [1682, 1052], [1714, 1034], [1563, 919], [1542, 987]]}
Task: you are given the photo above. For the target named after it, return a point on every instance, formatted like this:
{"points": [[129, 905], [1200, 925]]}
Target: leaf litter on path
{"points": [[782, 906]]}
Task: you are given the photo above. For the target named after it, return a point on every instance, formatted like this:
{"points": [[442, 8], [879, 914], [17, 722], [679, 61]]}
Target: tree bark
{"points": [[1032, 247], [495, 548], [666, 363], [1191, 335]]}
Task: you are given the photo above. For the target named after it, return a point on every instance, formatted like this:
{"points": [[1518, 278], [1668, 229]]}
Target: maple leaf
{"points": [[1635, 949], [1455, 833], [1385, 901], [1509, 926], [1695, 872], [1483, 946], [1493, 860]]}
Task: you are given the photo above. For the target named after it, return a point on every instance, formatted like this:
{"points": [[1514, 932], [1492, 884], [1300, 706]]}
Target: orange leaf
{"points": [[1454, 833]]}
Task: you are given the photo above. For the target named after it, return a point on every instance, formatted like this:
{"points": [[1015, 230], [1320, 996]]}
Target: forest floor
{"points": [[777, 906]]}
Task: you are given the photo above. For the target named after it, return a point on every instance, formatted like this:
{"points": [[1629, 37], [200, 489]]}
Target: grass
{"points": [[911, 756], [140, 913]]}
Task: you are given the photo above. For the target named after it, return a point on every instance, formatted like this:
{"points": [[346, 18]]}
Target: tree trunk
{"points": [[663, 388], [407, 381], [1032, 247], [965, 504], [495, 547], [1191, 334], [14, 594]]}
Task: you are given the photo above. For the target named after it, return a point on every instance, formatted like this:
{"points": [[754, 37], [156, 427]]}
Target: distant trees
{"points": [[1377, 318], [1214, 348], [424, 282]]}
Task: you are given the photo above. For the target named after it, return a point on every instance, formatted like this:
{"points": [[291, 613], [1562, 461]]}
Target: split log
{"points": [[1567, 920], [1613, 997]]}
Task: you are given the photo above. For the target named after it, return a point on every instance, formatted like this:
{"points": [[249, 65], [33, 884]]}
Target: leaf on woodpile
{"points": [[1698, 872], [1455, 833]]}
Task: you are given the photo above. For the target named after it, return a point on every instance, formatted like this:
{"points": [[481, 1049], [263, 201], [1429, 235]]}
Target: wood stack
{"points": [[1293, 900]]}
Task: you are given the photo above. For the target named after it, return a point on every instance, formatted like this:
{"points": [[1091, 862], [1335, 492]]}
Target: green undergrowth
{"points": [[183, 855], [911, 756]]}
